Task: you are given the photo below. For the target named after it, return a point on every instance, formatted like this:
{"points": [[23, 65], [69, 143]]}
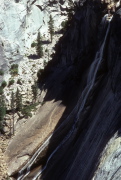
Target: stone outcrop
{"points": [[35, 132]]}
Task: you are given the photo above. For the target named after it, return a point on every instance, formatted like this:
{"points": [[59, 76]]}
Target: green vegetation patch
{"points": [[14, 69], [33, 44], [1, 90], [64, 25], [26, 110], [19, 81], [4, 84], [11, 82], [1, 72], [2, 113]]}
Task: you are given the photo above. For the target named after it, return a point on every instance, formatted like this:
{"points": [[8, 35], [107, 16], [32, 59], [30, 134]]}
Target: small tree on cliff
{"points": [[51, 27], [18, 100], [2, 113], [34, 88], [12, 110], [39, 48]]}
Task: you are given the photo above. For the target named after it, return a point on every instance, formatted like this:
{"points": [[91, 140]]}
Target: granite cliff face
{"points": [[76, 133], [19, 23]]}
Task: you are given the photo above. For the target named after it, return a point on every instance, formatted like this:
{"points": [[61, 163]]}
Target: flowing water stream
{"points": [[80, 106]]}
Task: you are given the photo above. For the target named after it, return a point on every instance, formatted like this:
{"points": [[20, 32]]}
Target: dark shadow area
{"points": [[46, 42], [59, 31], [33, 56], [82, 133]]}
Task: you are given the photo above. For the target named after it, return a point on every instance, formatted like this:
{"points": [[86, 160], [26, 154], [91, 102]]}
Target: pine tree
{"points": [[26, 111], [2, 113], [51, 27], [34, 91], [12, 110], [12, 101], [18, 100], [39, 48]]}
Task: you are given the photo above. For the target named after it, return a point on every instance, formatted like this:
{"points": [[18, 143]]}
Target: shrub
{"points": [[14, 69], [14, 72], [2, 111], [64, 25], [46, 50], [19, 82], [40, 71], [26, 111], [13, 66], [11, 82], [33, 106], [1, 90], [4, 84], [1, 72], [45, 63], [33, 44]]}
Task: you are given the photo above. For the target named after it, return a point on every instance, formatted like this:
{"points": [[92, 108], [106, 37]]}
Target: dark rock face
{"points": [[87, 79], [85, 75]]}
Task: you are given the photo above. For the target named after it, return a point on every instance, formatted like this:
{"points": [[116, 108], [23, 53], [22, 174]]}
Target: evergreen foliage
{"points": [[12, 110], [33, 44], [2, 113], [51, 27], [1, 72], [14, 69], [39, 48], [64, 25], [11, 82], [34, 88], [4, 84], [39, 73], [1, 90], [12, 101], [26, 111], [18, 101], [19, 81]]}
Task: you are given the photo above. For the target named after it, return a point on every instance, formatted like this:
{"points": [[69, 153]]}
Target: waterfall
{"points": [[32, 160], [23, 173], [99, 55], [85, 94]]}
